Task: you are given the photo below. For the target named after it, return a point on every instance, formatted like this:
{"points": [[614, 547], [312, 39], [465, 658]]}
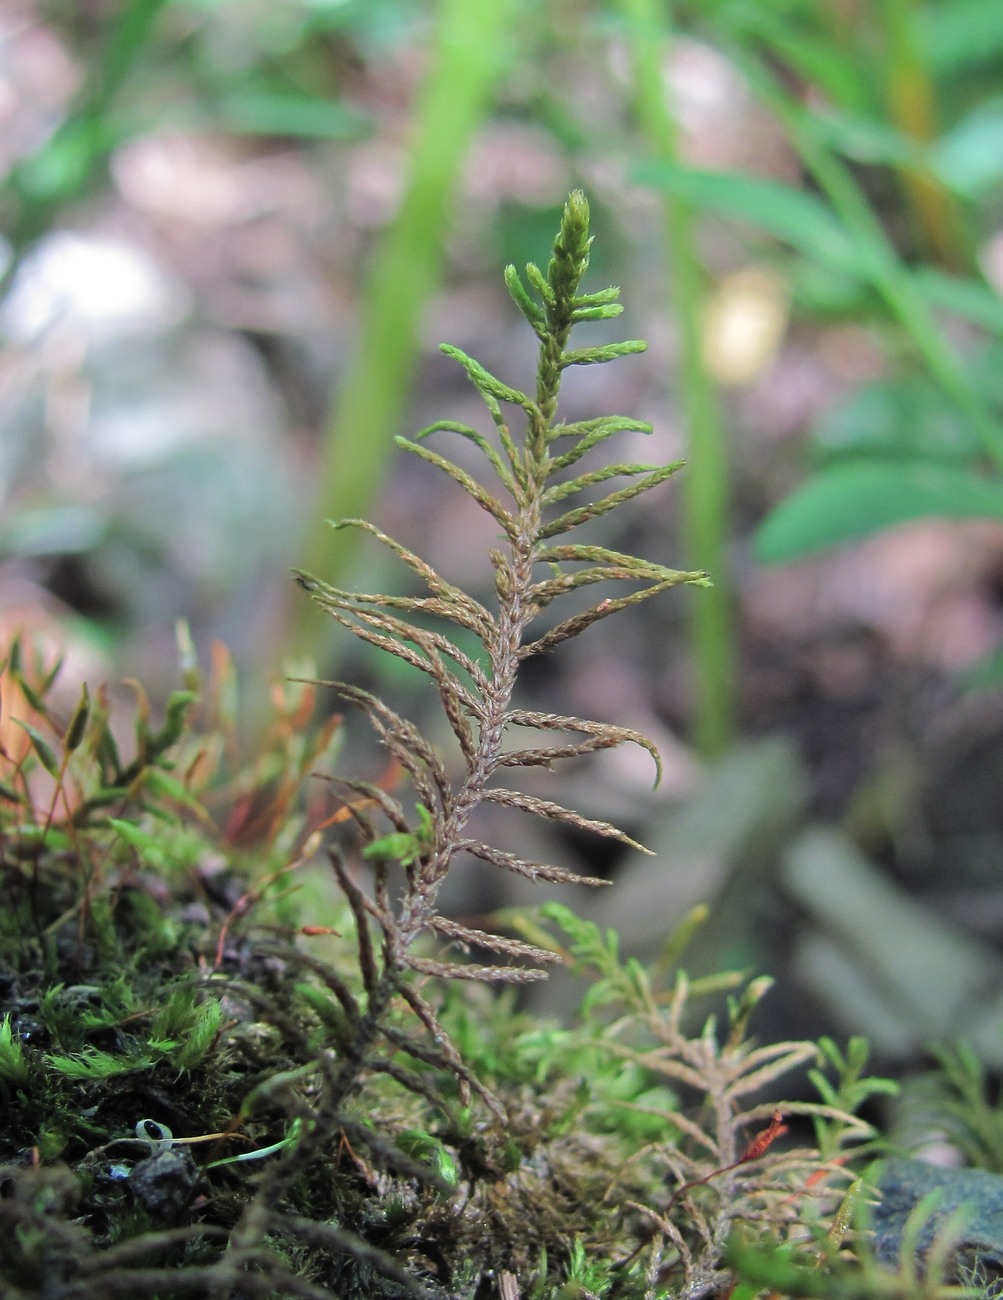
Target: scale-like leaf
{"points": [[585, 553], [605, 352], [547, 756], [515, 459], [452, 970], [479, 440], [485, 382], [493, 942], [391, 808], [524, 867], [608, 312], [561, 490], [543, 593], [579, 622], [470, 613], [584, 514], [540, 283], [602, 297], [442, 1051], [546, 808], [470, 485], [589, 434], [391, 634], [532, 311], [403, 739], [609, 734]]}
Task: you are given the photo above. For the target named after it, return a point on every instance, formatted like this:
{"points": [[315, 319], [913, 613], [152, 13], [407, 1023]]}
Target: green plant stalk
{"points": [[912, 106], [470, 42], [891, 279], [705, 489]]}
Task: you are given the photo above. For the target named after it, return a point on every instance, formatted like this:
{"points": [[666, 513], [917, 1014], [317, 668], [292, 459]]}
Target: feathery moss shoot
{"points": [[534, 568]]}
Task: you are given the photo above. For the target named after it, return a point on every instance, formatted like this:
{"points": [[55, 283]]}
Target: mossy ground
{"points": [[164, 1015], [174, 988], [129, 1046]]}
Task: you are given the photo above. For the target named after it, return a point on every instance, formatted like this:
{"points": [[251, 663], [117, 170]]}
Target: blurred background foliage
{"points": [[236, 230]]}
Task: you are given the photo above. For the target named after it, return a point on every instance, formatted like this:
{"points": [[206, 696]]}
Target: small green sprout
{"points": [[291, 1138], [429, 1150], [13, 1066], [405, 847]]}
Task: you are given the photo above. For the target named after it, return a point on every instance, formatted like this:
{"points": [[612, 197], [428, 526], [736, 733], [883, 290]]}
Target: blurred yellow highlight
{"points": [[744, 325]]}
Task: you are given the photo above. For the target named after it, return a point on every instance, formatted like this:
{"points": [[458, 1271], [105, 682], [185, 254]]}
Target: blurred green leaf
{"points": [[292, 115], [805, 46], [969, 157], [41, 747], [78, 723], [867, 140], [68, 159], [53, 530], [959, 36], [59, 170], [148, 846], [797, 218], [907, 417], [850, 501], [973, 300], [986, 673]]}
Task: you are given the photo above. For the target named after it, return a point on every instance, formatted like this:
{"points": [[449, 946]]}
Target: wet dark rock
{"points": [[977, 1250], [164, 1182]]}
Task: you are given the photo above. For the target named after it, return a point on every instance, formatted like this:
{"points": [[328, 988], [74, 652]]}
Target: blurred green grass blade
{"points": [[961, 35], [798, 219], [815, 47], [973, 300], [868, 140], [705, 485], [849, 501], [911, 98], [291, 115], [472, 41], [61, 169]]}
